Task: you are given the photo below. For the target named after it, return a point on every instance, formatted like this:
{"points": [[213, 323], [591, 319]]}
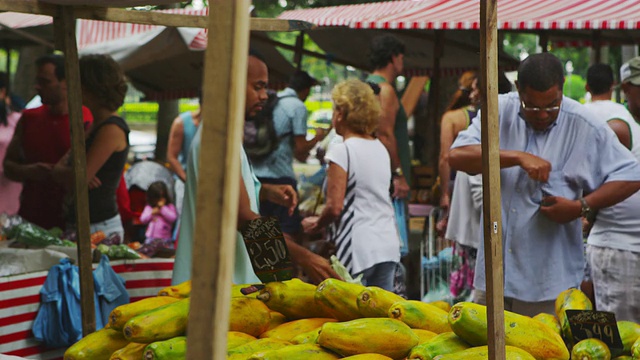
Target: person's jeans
{"points": [[109, 226], [380, 275]]}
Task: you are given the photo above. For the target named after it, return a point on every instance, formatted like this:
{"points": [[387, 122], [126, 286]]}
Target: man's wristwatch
{"points": [[397, 172], [586, 210]]}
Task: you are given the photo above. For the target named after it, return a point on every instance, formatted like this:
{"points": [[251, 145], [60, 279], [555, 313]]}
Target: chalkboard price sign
{"points": [[602, 325], [267, 249]]}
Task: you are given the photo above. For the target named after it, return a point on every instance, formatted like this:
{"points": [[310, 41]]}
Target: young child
{"points": [[160, 215]]}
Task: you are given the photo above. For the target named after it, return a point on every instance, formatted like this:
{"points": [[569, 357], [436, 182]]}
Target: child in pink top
{"points": [[159, 213]]}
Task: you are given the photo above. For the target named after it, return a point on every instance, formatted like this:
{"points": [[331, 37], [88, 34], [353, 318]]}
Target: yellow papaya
{"points": [[133, 351], [277, 319], [570, 299], [291, 329], [635, 349], [629, 333], [441, 305], [482, 353], [243, 352], [551, 321], [384, 336], [367, 356], [590, 349], [96, 346], [235, 291], [172, 349], [296, 352], [248, 315], [624, 357], [420, 315], [440, 344], [339, 299], [310, 337], [123, 313], [469, 321], [181, 291], [424, 335], [375, 302], [162, 323], [237, 338], [293, 298]]}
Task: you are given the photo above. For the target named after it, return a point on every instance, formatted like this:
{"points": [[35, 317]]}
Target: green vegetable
{"points": [[104, 249], [68, 243], [56, 231], [34, 235]]}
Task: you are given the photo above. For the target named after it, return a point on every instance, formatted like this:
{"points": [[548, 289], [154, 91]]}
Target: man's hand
{"points": [[95, 183], [284, 195], [317, 268], [559, 209], [537, 168], [400, 187], [310, 224], [445, 200], [40, 171], [321, 134]]}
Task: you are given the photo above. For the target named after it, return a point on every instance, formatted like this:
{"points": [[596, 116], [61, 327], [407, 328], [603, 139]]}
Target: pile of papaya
{"points": [[295, 320]]}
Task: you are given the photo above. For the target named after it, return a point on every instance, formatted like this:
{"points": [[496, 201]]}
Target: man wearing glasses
{"points": [[558, 163]]}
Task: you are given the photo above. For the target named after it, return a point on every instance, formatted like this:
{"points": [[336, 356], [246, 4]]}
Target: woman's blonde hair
{"points": [[359, 106]]}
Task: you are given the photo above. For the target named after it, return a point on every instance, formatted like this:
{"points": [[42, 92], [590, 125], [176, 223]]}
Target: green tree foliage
{"points": [[574, 87]]}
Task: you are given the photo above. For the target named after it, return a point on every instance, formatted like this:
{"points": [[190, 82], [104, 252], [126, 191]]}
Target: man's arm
{"points": [[622, 131], [14, 167], [390, 105], [449, 129], [562, 210], [469, 159], [176, 137], [302, 146]]}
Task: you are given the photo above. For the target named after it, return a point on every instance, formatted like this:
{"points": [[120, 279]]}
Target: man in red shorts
{"points": [[41, 138]]}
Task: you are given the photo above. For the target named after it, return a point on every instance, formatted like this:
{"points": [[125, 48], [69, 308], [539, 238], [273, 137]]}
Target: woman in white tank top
{"points": [[358, 212]]}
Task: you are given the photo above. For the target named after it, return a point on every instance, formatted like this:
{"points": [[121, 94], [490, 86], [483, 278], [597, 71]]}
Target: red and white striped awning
{"points": [[465, 15], [91, 32]]}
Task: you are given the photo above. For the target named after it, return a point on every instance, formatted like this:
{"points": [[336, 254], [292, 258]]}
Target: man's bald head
{"points": [[257, 80]]}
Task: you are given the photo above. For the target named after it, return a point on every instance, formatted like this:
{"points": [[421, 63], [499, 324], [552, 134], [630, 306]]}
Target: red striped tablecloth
{"points": [[20, 298]]}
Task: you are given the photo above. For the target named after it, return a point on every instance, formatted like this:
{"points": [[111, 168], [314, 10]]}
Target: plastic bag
{"points": [[399, 206], [59, 321]]}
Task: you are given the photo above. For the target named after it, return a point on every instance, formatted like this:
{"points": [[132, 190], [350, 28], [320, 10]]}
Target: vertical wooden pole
{"points": [[543, 41], [65, 27], [297, 57], [434, 99], [492, 209], [218, 184]]}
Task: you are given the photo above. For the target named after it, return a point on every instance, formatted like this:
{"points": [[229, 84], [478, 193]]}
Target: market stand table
{"points": [[20, 300]]}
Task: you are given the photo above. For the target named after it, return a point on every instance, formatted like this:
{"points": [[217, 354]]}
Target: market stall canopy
{"points": [[163, 62], [110, 3], [566, 22], [341, 41]]}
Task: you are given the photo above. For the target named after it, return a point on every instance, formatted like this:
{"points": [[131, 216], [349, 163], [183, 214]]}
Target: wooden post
{"points": [[492, 209], [543, 41], [297, 57], [65, 27], [218, 184], [434, 100]]}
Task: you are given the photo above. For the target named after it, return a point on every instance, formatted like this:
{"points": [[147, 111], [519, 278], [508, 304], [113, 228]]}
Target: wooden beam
{"points": [[491, 206], [147, 17], [311, 53], [412, 93], [26, 35], [225, 79], [110, 3], [66, 31]]}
